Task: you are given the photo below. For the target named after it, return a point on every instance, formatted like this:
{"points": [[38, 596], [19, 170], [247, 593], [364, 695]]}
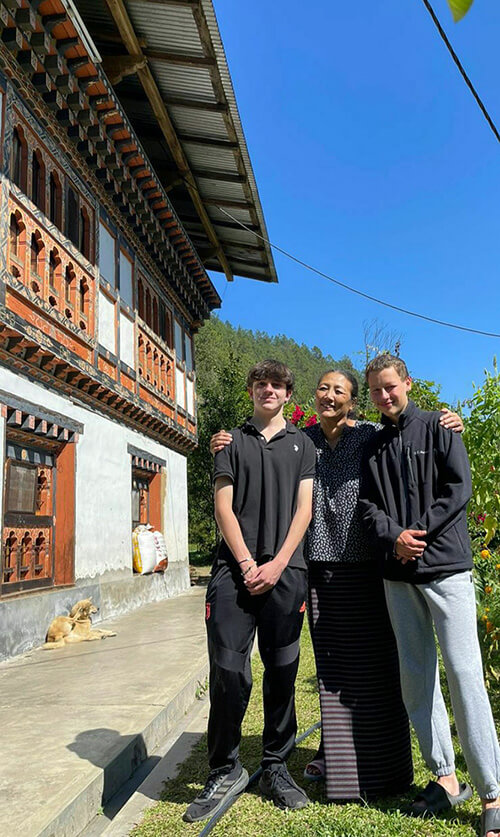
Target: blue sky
{"points": [[374, 164]]}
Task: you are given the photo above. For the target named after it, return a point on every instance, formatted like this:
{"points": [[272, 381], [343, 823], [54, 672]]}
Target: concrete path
{"points": [[77, 721]]}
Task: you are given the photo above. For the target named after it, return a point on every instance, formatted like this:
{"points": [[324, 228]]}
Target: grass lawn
{"points": [[251, 816]]}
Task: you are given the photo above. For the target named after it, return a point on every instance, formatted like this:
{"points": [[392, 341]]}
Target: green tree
{"points": [[224, 355], [222, 402], [482, 439], [427, 395]]}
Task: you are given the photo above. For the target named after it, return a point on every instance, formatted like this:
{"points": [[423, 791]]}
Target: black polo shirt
{"points": [[266, 478]]}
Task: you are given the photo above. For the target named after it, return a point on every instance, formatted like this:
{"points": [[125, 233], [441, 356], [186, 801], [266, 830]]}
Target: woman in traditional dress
{"points": [[365, 747]]}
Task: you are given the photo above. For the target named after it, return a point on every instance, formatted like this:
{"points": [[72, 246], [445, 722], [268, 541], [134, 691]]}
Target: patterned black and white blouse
{"points": [[336, 532]]}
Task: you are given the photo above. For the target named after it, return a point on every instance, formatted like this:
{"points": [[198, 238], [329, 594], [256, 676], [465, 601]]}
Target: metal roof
{"points": [[182, 106]]}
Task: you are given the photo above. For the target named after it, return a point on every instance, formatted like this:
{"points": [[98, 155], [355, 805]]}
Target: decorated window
{"points": [[126, 274], [84, 233], [165, 324], [179, 341], [140, 299], [36, 254], [72, 217], [21, 488], [19, 167], [38, 180], [55, 200], [28, 533], [189, 352], [14, 236], [107, 254], [140, 497]]}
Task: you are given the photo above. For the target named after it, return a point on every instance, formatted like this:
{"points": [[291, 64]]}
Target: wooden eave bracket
{"points": [[117, 67]]}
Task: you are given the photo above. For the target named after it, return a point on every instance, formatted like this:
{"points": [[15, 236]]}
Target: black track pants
{"points": [[232, 617]]}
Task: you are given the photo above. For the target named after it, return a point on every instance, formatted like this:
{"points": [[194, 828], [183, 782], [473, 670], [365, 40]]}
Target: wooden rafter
{"points": [[183, 59], [130, 41], [193, 104]]}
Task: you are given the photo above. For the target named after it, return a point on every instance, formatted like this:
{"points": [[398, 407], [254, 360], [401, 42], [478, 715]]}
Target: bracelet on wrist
{"points": [[245, 572], [243, 560]]}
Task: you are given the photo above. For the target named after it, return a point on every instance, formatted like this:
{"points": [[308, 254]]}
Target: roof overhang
{"points": [[166, 62]]}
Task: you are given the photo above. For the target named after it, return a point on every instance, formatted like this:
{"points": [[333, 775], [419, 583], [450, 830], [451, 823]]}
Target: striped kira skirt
{"points": [[365, 730]]}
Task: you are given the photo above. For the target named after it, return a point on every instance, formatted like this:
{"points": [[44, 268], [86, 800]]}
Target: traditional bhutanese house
{"points": [[121, 149]]}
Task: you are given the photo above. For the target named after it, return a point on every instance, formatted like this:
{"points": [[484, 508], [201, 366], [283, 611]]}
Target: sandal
{"points": [[434, 798], [490, 821], [315, 770]]}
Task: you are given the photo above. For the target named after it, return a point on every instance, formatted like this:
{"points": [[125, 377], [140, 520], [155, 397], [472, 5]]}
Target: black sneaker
{"points": [[277, 784], [220, 786]]}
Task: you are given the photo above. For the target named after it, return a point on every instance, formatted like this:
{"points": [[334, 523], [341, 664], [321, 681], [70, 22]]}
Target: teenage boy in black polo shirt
{"points": [[263, 504]]}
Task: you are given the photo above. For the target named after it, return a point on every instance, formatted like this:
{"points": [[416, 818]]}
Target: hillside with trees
{"points": [[224, 355]]}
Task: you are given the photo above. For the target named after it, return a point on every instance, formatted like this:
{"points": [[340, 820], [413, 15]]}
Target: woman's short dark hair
{"points": [[345, 374], [271, 370]]}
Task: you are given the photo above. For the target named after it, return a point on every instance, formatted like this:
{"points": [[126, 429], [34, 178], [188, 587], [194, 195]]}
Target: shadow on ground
{"points": [[118, 755]]}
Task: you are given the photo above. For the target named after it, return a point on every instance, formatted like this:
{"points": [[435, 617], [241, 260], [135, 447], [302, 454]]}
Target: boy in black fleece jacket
{"points": [[414, 492]]}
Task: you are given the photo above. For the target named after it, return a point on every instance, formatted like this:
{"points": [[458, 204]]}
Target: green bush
{"points": [[482, 440]]}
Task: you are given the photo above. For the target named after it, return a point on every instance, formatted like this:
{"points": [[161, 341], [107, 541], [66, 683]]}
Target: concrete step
{"points": [[76, 722], [173, 753]]}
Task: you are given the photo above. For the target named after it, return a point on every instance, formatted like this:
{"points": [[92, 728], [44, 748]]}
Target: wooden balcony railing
{"points": [[156, 364], [27, 554], [57, 277]]}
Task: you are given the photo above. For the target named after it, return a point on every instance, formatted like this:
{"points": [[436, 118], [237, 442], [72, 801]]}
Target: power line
{"points": [[464, 75], [346, 287]]}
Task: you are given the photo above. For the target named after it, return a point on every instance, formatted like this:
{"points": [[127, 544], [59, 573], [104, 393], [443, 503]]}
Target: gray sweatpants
{"points": [[449, 605]]}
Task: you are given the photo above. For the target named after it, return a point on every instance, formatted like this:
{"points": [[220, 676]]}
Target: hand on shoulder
{"points": [[219, 441], [451, 420]]}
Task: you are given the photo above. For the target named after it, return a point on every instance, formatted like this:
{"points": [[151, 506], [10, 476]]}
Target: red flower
{"points": [[297, 415], [311, 420]]}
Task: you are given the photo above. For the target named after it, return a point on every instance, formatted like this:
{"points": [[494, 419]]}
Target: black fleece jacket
{"points": [[415, 475]]}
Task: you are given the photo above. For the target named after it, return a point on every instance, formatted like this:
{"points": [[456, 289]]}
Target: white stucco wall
{"points": [[127, 342], [103, 485], [190, 396], [106, 323], [179, 388]]}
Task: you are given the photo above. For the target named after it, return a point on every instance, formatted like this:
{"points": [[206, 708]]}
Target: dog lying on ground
{"points": [[77, 627]]}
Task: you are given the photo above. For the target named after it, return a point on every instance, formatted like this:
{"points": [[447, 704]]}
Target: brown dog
{"points": [[77, 627]]}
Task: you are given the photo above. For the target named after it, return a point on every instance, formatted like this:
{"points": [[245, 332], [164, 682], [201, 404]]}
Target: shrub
{"points": [[482, 440]]}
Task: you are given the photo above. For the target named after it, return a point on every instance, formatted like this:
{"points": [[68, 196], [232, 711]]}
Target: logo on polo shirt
{"points": [[295, 447]]}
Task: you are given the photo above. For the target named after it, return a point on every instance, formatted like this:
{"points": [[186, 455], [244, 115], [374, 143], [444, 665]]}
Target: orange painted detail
{"points": [[64, 547], [150, 398], [42, 321], [105, 366], [127, 382], [155, 517]]}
